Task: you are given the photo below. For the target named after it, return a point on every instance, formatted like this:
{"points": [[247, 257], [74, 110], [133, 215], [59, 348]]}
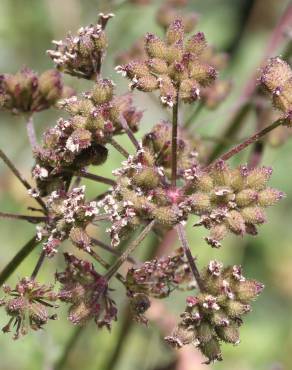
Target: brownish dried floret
{"points": [[28, 92], [80, 55], [27, 305], [87, 293], [276, 78], [68, 216]]}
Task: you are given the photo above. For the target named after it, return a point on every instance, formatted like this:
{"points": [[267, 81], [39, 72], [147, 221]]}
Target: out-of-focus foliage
{"points": [[26, 29]]}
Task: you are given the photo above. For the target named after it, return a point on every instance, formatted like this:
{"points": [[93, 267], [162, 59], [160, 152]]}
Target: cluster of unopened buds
{"points": [[163, 181]]}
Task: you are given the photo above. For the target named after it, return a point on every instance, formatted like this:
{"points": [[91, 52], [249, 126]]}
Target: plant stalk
{"points": [[252, 139], [32, 219], [113, 251], [24, 182], [97, 178], [39, 263], [119, 148], [17, 259], [183, 239], [174, 141], [111, 272]]}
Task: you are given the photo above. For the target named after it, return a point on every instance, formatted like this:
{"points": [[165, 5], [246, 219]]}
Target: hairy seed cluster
{"points": [[80, 141], [230, 200], [172, 65], [215, 315], [159, 277], [276, 78], [143, 190]]}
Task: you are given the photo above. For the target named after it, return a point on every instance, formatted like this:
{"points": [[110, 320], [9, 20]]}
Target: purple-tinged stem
{"points": [[183, 239], [32, 219], [24, 182], [252, 139], [174, 141], [111, 250], [119, 148], [129, 132], [97, 178], [112, 271], [17, 259], [38, 265]]}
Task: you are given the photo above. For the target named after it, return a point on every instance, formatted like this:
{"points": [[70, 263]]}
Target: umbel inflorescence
{"points": [[164, 179]]}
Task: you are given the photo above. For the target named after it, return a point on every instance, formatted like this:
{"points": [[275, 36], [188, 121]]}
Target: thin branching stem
{"points": [[129, 132], [102, 217], [17, 259], [126, 321], [21, 178], [184, 242], [38, 265], [119, 148], [32, 219], [230, 132], [252, 139], [111, 272], [31, 132], [97, 178], [111, 250], [174, 141], [105, 264]]}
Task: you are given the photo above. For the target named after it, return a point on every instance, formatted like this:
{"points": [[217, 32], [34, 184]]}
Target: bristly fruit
{"points": [[215, 314]]}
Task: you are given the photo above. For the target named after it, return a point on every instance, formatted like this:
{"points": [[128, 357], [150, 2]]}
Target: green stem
{"points": [[105, 264], [183, 239], [119, 148], [126, 323], [113, 251], [17, 259], [24, 182], [111, 272]]}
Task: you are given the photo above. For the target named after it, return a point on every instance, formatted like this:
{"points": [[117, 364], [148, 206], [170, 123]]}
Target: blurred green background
{"points": [[241, 27]]}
